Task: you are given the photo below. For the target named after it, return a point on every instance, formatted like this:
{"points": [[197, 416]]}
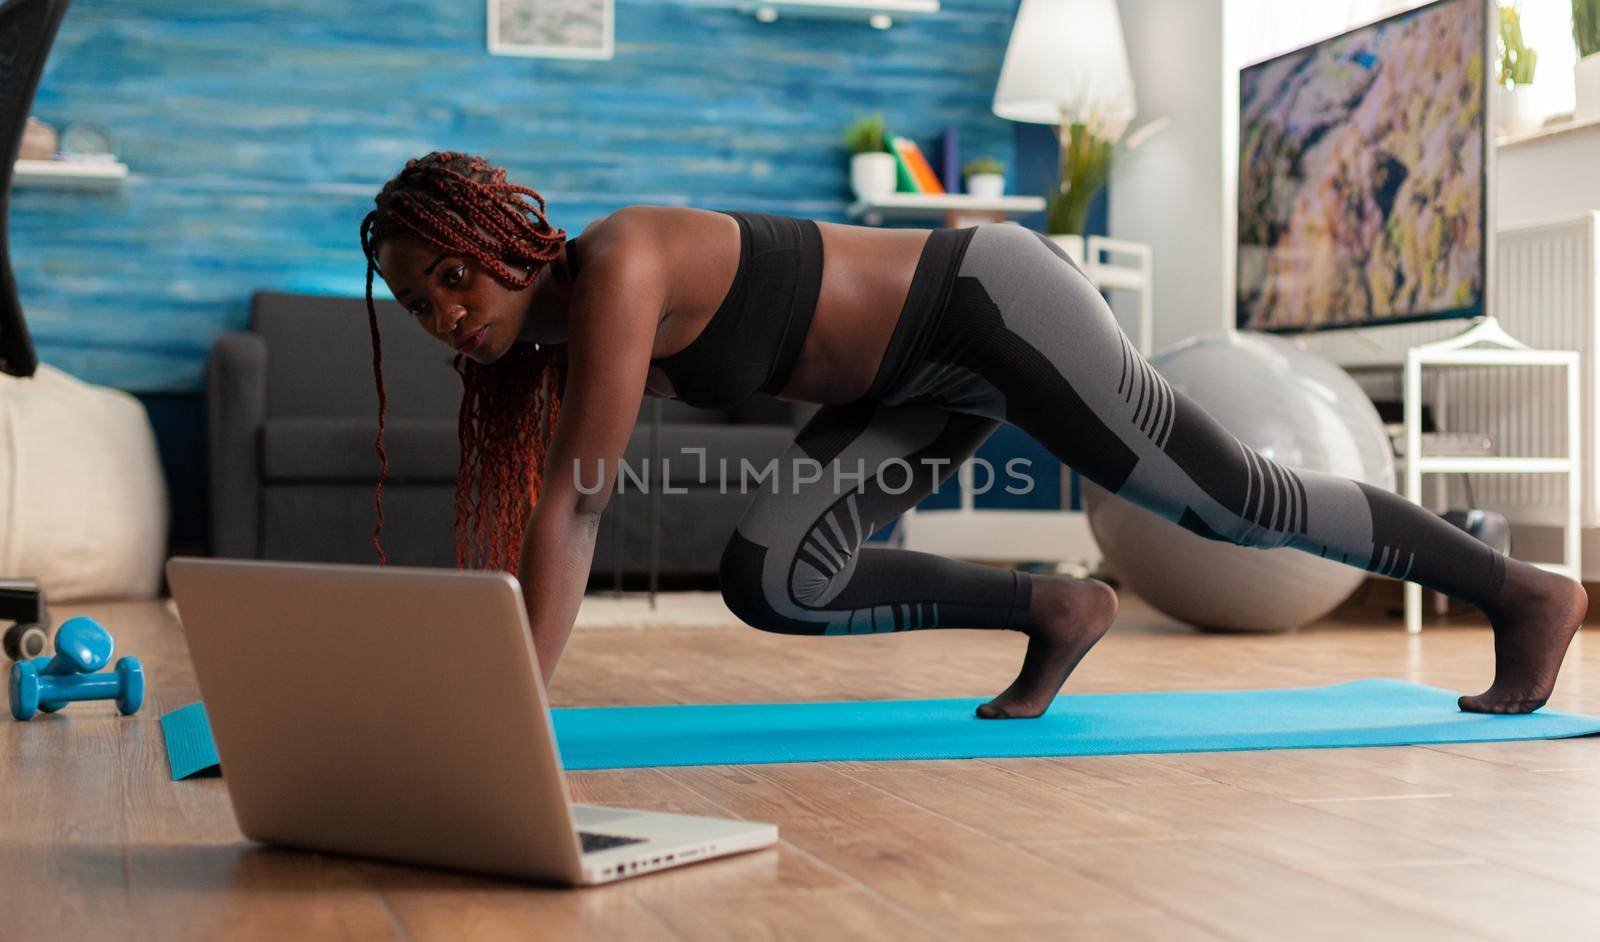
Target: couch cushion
{"points": [[756, 444], [332, 523], [319, 363], [673, 412], [319, 359], [692, 530], [762, 409], [341, 449], [427, 450]]}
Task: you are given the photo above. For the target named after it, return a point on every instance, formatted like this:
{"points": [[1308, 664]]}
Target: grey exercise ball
{"points": [[1291, 406]]}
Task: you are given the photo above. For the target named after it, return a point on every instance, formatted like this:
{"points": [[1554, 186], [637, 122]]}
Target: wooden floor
{"points": [[1490, 841]]}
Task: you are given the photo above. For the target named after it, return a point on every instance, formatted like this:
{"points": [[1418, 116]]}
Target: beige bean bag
{"points": [[83, 504]]}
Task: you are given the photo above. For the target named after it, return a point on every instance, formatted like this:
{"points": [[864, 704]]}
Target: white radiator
{"points": [[1543, 290]]}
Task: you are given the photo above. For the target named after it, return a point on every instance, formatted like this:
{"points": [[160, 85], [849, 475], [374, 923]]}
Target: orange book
{"points": [[916, 165]]}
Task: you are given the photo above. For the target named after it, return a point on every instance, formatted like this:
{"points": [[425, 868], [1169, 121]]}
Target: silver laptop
{"points": [[399, 713]]}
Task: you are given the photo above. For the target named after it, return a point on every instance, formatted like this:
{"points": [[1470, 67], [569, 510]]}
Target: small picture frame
{"points": [[564, 29]]}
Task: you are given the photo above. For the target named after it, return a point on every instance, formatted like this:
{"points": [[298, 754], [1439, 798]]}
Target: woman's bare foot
{"points": [[1532, 629], [1067, 617]]}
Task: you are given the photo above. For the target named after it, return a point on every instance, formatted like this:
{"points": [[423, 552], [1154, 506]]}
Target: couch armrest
{"points": [[236, 407]]}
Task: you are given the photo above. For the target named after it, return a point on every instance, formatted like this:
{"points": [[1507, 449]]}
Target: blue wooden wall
{"points": [[257, 131]]}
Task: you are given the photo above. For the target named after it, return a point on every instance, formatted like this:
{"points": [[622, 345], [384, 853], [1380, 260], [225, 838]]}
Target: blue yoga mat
{"points": [[1374, 712]]}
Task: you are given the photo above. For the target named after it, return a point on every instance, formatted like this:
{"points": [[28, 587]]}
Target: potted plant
{"points": [[1586, 74], [1087, 145], [1085, 167], [872, 166], [1514, 76], [985, 177]]}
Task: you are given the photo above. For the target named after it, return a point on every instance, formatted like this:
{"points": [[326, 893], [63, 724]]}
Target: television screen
{"points": [[1362, 182]]}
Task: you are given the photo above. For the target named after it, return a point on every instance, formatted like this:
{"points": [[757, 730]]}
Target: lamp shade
{"points": [[1066, 62]]}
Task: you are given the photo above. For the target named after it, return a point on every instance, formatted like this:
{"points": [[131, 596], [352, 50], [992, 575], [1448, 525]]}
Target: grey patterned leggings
{"points": [[1000, 325]]}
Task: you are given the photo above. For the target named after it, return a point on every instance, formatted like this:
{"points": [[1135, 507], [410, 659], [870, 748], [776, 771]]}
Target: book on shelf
{"points": [[912, 169], [950, 159]]}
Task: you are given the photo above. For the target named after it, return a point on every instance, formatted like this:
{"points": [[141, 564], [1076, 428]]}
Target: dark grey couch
{"points": [[292, 411]]}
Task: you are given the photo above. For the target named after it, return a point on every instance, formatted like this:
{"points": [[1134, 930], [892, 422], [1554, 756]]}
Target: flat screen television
{"points": [[1363, 175]]}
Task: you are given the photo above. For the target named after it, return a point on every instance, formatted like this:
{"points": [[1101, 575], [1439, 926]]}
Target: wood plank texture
{"points": [[1481, 841]]}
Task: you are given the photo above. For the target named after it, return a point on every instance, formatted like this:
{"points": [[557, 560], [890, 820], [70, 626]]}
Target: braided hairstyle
{"points": [[463, 205]]}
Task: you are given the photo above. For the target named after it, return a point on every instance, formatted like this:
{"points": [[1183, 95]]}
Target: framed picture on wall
{"points": [[565, 29]]}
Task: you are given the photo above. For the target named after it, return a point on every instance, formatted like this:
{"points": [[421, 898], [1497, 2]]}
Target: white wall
{"points": [[1548, 177], [1169, 192], [1547, 30]]}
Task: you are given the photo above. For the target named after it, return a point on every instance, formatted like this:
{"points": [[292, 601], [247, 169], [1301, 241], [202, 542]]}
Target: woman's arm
{"points": [[610, 331]]}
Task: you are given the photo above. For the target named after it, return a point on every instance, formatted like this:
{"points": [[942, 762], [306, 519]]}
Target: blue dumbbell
{"points": [[82, 648]]}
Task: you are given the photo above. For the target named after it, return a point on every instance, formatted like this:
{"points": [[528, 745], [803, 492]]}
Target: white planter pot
{"points": [[1586, 87], [1071, 244], [872, 174], [987, 185], [1517, 110]]}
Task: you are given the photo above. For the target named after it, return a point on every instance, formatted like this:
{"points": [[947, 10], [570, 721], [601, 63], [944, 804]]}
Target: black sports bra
{"points": [[752, 341]]}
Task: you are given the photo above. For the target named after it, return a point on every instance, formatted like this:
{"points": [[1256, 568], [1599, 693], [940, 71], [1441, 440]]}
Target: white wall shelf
{"points": [[1486, 464], [70, 174], [879, 14], [940, 205], [1566, 128]]}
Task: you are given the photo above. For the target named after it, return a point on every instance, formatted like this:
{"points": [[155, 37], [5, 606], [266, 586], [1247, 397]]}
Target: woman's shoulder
{"points": [[643, 229], [627, 225], [631, 239], [647, 216]]}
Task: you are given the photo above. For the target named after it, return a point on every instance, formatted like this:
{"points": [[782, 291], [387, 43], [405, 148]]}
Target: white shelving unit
{"points": [[876, 210], [879, 14], [70, 174], [1117, 265], [1507, 351]]}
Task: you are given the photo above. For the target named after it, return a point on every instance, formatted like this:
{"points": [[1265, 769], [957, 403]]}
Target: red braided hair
{"points": [[463, 205]]}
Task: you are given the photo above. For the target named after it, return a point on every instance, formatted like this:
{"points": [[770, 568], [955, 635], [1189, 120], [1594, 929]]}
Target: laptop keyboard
{"points": [[592, 842]]}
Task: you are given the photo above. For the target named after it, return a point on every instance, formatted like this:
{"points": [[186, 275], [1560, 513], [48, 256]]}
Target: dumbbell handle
{"points": [[124, 684], [62, 689]]}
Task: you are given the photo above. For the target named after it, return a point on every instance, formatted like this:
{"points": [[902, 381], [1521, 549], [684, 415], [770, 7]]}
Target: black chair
{"points": [[27, 29]]}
